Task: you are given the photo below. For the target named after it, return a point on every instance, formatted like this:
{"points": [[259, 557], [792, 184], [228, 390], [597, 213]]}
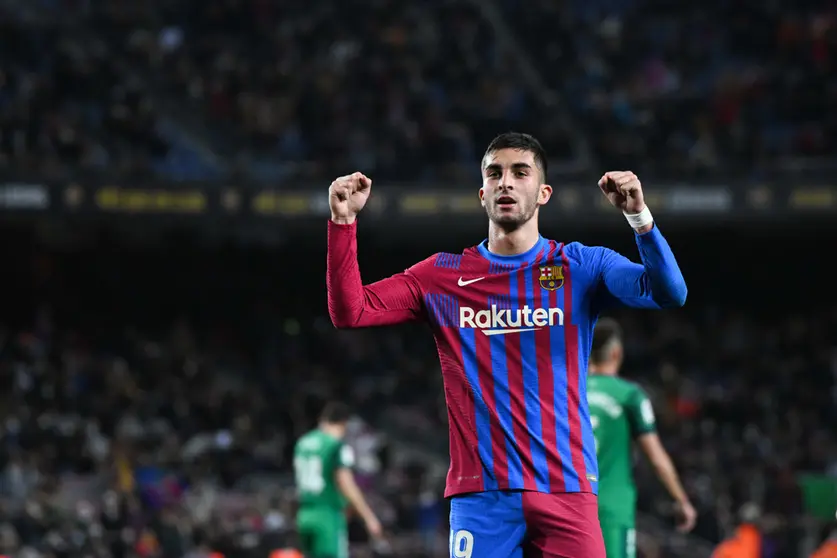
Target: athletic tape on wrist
{"points": [[641, 219]]}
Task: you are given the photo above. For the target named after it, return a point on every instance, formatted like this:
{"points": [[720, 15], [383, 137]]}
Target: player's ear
{"points": [[544, 194], [617, 353], [482, 196]]}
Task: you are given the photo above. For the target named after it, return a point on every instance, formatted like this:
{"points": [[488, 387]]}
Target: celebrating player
{"points": [[621, 412], [513, 320], [324, 481]]}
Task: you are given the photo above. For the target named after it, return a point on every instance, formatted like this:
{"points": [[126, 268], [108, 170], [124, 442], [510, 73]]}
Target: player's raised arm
{"points": [[658, 282], [351, 303]]}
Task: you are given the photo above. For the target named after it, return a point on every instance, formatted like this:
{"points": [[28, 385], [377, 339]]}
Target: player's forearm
{"points": [[668, 476], [350, 303], [665, 280], [352, 493], [343, 282]]}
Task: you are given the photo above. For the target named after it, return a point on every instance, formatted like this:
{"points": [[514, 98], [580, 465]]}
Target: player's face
{"points": [[512, 187]]}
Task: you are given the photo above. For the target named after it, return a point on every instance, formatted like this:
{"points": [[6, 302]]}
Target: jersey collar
{"points": [[526, 257]]}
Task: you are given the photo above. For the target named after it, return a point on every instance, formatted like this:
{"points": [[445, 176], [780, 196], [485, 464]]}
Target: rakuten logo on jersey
{"points": [[501, 321]]}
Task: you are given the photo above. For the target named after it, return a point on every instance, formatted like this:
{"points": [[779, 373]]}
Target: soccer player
{"points": [[513, 321], [324, 481], [620, 413]]}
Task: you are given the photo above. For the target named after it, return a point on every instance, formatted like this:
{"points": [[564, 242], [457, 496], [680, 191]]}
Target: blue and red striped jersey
{"points": [[514, 336]]}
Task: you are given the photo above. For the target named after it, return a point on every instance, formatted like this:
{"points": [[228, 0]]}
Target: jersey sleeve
{"points": [[656, 283], [345, 457], [393, 300], [640, 413]]}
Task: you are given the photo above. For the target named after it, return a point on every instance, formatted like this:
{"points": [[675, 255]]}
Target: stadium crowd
{"points": [[121, 445], [67, 106], [410, 91], [706, 86], [150, 400]]}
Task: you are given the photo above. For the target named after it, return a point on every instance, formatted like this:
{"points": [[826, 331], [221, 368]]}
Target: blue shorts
{"points": [[517, 524]]}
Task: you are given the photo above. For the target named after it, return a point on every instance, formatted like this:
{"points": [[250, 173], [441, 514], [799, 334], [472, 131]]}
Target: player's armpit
{"points": [[393, 300], [657, 283]]}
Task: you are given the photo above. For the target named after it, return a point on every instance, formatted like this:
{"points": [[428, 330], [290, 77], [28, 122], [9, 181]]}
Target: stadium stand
{"points": [[122, 383], [65, 106], [712, 86], [151, 395], [384, 85], [72, 105]]}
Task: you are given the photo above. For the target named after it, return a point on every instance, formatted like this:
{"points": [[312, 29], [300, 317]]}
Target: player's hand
{"points": [[373, 527], [686, 516], [623, 190], [347, 195]]}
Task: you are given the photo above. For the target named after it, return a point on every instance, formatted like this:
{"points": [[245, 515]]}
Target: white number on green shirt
{"points": [[309, 474]]}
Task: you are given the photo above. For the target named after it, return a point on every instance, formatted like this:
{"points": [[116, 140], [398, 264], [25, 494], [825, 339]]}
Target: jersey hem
{"points": [[476, 487]]}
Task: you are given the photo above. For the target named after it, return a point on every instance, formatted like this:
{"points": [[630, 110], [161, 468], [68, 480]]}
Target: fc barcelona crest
{"points": [[552, 277]]}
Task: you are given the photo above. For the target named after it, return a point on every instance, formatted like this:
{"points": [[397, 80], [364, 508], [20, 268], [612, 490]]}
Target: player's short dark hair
{"points": [[335, 412], [607, 331], [521, 142]]}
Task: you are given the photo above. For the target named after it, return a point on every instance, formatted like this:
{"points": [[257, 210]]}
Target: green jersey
{"points": [[317, 457], [619, 412]]}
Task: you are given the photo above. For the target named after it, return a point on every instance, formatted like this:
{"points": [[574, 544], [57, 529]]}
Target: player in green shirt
{"points": [[325, 484], [621, 413]]}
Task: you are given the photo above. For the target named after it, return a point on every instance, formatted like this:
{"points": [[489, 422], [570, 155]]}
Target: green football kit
{"points": [[321, 518], [620, 411]]}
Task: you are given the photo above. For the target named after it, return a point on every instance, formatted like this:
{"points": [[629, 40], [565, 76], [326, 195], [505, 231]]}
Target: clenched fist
{"points": [[347, 195], [623, 190]]}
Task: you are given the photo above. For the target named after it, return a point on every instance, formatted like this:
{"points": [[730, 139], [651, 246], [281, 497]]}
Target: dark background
{"points": [[163, 177]]}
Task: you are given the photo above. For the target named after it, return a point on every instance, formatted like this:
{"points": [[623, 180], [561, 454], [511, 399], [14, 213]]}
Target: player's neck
{"points": [[514, 242], [331, 430], [603, 369]]}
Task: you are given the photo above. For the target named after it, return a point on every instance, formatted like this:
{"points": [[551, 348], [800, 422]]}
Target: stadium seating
{"points": [[713, 86], [405, 89], [149, 398], [411, 91], [69, 105]]}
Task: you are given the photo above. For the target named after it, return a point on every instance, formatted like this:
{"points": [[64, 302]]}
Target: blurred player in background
{"points": [[324, 482], [513, 320], [621, 413]]}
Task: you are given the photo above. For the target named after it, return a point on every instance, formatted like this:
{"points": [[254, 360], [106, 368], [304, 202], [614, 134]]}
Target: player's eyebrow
{"points": [[496, 167]]}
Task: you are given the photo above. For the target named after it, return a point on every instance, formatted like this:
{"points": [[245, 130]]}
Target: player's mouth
{"points": [[506, 202]]}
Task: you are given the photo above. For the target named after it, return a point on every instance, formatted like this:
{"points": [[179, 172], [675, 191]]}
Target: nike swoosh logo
{"points": [[463, 283], [490, 332]]}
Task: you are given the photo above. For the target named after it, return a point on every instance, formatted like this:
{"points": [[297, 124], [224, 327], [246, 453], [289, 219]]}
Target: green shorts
{"points": [[619, 539], [322, 533]]}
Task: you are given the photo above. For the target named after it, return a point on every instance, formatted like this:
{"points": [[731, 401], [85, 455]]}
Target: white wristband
{"points": [[641, 219]]}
